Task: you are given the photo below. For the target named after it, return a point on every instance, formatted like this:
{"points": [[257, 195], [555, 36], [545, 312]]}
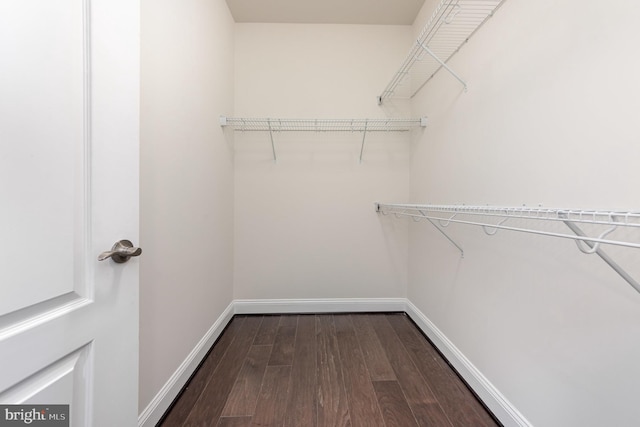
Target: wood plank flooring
{"points": [[322, 370]]}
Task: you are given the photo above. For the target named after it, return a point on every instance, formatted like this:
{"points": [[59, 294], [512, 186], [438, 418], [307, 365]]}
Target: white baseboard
{"points": [[330, 305], [495, 401], [161, 402]]}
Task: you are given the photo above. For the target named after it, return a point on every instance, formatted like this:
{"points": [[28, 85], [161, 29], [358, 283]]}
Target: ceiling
{"points": [[379, 12]]}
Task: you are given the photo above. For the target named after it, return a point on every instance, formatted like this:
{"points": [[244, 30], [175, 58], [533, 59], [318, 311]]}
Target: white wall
{"points": [[305, 226], [186, 182], [550, 117]]}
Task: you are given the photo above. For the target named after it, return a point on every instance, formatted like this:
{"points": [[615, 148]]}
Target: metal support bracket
{"points": [[453, 242], [364, 135], [273, 147], [447, 236], [606, 258], [442, 63]]}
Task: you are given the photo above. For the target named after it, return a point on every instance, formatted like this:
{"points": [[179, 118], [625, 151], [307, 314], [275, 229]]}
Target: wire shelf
{"points": [[493, 218], [451, 25], [272, 126], [321, 125], [608, 218]]}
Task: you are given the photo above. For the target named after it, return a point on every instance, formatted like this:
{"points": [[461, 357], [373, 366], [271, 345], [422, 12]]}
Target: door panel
{"points": [[62, 382], [42, 129]]}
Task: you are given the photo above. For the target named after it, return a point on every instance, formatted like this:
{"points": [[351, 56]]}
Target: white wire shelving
{"points": [[450, 26], [494, 218], [321, 125], [275, 125]]}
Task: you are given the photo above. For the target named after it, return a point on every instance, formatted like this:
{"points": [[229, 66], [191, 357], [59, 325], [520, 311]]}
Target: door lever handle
{"points": [[120, 252]]}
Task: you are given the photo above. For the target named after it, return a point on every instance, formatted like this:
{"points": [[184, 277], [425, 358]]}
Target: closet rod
{"points": [[444, 215]]}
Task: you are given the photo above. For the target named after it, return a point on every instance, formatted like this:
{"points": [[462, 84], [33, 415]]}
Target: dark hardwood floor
{"points": [[325, 370]]}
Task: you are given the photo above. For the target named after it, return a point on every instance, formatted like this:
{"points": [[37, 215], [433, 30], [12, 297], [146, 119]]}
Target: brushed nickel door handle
{"points": [[121, 252]]}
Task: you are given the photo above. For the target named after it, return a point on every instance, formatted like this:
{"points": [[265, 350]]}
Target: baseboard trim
{"points": [[508, 415], [495, 401], [161, 402], [331, 305]]}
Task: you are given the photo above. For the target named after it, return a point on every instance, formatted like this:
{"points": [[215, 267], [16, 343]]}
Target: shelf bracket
{"points": [[273, 147], [442, 63], [606, 258], [453, 242], [364, 135]]}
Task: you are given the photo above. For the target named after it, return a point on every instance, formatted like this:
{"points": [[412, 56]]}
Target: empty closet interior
{"points": [[474, 167]]}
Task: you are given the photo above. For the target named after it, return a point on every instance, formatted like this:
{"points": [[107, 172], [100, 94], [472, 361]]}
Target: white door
{"points": [[69, 100]]}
